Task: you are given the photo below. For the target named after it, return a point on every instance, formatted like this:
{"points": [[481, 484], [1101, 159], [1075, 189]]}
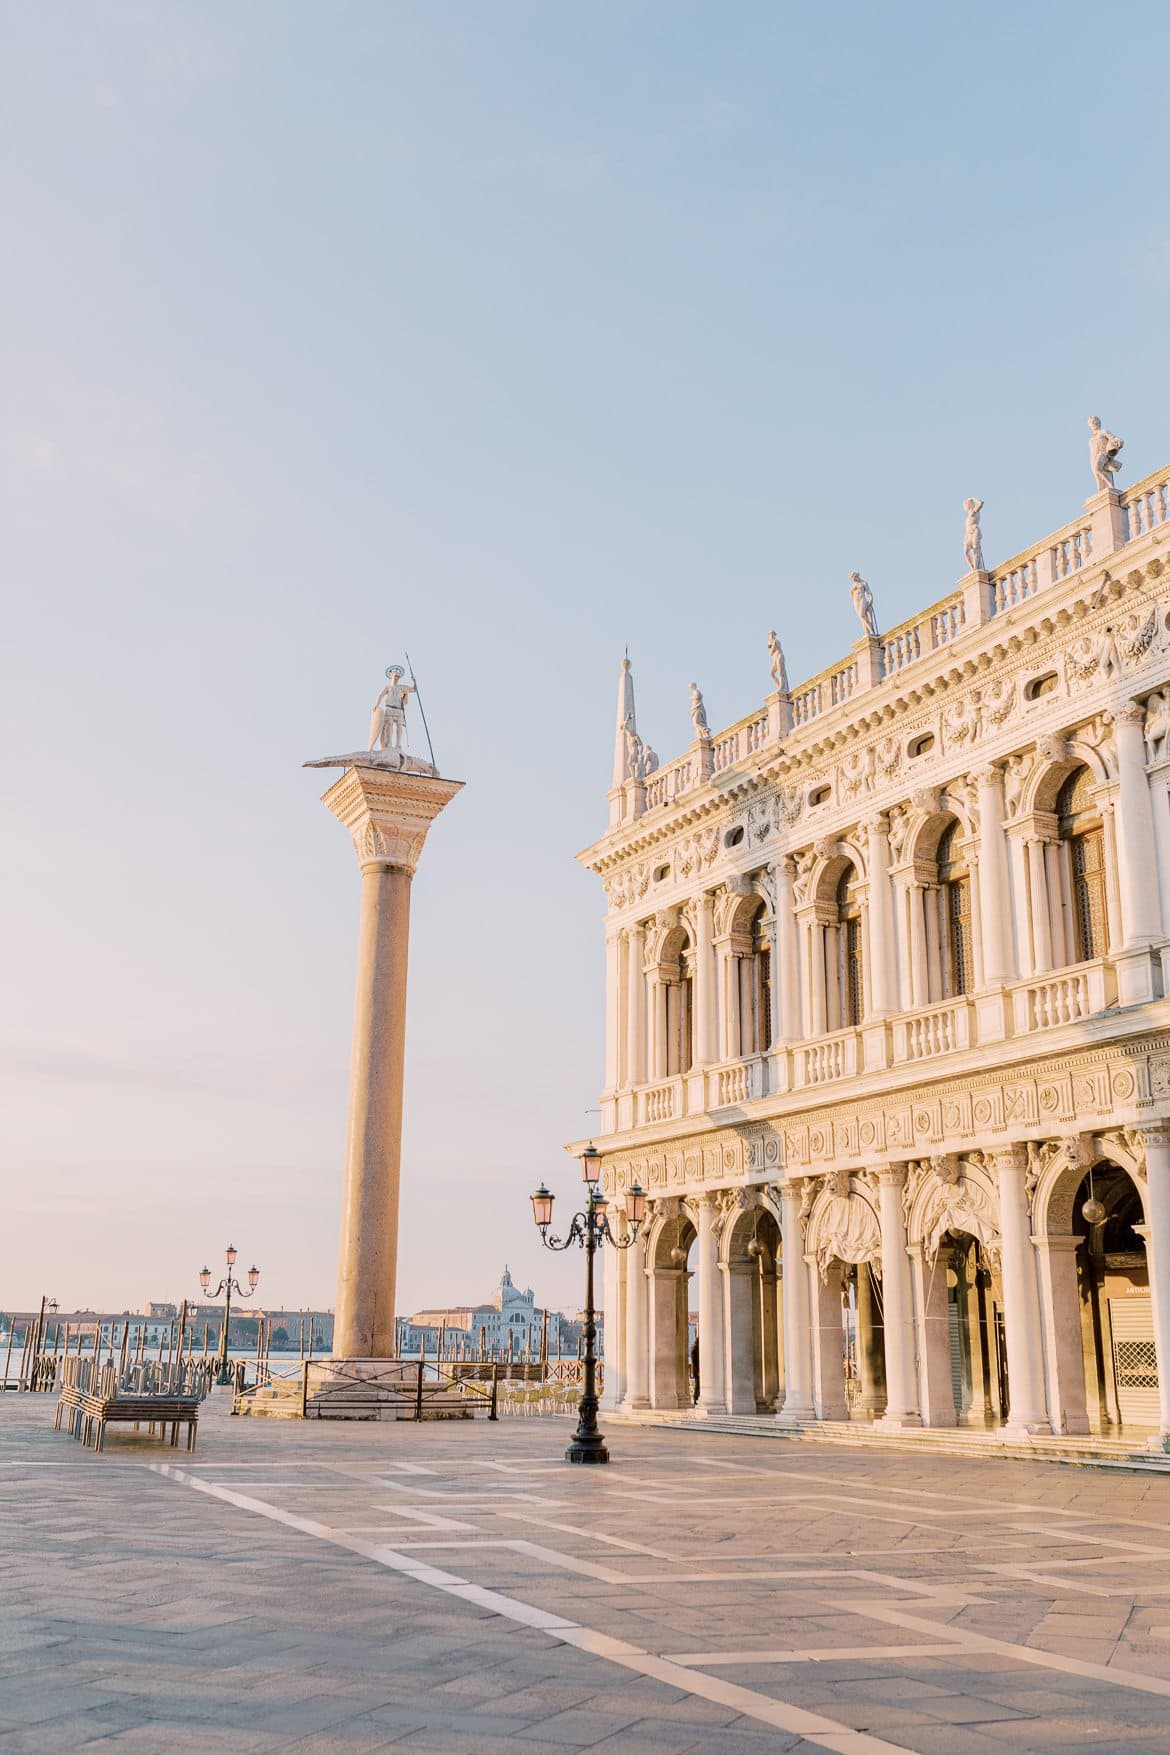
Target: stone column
{"points": [[706, 1014], [1137, 865], [659, 1064], [936, 1395], [898, 1300], [388, 812], [636, 1008], [870, 1357], [1041, 907], [798, 1404], [994, 888], [613, 1011], [614, 1289], [919, 971], [1056, 1263], [882, 998], [637, 1326], [1021, 1298], [828, 1339], [786, 974], [1157, 1142], [711, 1399]]}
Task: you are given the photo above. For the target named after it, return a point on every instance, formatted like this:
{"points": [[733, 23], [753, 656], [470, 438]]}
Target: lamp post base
{"points": [[587, 1447]]}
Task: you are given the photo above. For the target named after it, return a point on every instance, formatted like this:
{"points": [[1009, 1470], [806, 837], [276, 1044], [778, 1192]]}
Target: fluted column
{"points": [[658, 1037], [1157, 1143], [636, 1007], [1027, 1411], [798, 1401], [637, 1326], [706, 1011], [711, 1391], [898, 1303], [1137, 865], [882, 998], [994, 887]]}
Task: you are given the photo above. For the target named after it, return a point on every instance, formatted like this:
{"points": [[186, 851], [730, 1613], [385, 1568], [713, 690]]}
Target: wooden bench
{"points": [[89, 1414]]}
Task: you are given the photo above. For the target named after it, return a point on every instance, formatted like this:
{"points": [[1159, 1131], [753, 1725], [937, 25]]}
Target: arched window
{"points": [[955, 942], [1083, 837], [850, 974]]}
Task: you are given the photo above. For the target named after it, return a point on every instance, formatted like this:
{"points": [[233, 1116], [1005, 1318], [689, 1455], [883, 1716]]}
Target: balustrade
{"points": [[943, 1029], [1146, 507], [828, 1058], [1013, 586], [658, 1103], [948, 622], [901, 649], [1072, 552]]}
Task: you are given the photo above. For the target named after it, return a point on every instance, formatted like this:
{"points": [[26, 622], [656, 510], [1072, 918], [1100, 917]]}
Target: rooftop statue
{"points": [[699, 713], [863, 603], [778, 666], [973, 536], [1104, 447], [388, 715]]}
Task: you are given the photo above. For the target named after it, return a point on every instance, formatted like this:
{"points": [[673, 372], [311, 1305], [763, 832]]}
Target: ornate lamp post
{"points": [[589, 1229], [227, 1286]]}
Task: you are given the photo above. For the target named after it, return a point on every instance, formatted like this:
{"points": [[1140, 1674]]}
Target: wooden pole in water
{"points": [[8, 1355]]}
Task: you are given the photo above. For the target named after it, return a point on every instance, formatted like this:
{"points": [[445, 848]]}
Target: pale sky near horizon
{"points": [[507, 334]]}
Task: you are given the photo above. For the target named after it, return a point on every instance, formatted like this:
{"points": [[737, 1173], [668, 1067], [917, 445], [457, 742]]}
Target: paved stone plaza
{"points": [[444, 1588]]}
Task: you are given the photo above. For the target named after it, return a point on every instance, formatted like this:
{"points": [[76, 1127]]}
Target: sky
{"points": [[506, 335]]}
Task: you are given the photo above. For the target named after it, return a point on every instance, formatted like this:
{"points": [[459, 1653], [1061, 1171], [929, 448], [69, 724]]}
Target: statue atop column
{"points": [[1104, 447], [973, 537], [863, 603], [699, 713], [778, 666], [388, 715]]}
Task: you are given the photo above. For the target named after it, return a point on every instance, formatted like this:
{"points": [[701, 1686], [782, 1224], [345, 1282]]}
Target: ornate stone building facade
{"points": [[887, 1038]]}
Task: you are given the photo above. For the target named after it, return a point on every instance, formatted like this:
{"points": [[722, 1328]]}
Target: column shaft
{"points": [[798, 1403], [636, 1009], [637, 1328], [711, 1395], [898, 1303], [364, 1325], [1158, 1260], [706, 1009], [1137, 866], [1021, 1299], [882, 998], [1041, 910], [994, 889]]}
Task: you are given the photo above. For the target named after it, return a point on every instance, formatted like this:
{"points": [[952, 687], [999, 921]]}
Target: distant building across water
{"points": [[510, 1322]]}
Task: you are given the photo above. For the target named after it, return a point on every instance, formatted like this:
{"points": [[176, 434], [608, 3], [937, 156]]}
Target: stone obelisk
{"points": [[387, 799]]}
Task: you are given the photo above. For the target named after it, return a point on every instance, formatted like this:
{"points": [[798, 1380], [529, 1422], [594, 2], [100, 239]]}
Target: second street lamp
{"points": [[590, 1229], [226, 1287]]}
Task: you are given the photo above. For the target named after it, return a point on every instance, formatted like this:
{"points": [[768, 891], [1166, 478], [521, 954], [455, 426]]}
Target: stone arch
{"points": [[927, 830], [954, 1194], [843, 1225], [1053, 770], [830, 870]]}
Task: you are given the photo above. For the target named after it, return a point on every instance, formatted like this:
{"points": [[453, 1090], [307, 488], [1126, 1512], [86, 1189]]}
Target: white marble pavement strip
{"points": [[814, 1727]]}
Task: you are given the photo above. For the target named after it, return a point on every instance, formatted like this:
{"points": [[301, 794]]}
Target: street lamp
{"points": [[227, 1286], [590, 1229]]}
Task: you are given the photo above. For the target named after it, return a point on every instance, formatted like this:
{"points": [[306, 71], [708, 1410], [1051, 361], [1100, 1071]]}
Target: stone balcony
{"points": [[942, 1034]]}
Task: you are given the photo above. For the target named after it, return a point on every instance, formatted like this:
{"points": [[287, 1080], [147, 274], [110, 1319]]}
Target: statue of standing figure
{"points": [[388, 715], [863, 603], [973, 537], [778, 666], [699, 713], [1103, 452]]}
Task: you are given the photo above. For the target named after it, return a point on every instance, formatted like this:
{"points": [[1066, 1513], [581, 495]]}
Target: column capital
{"points": [[388, 811], [892, 1175], [877, 823], [1130, 713], [1010, 1158], [1155, 1134], [991, 774]]}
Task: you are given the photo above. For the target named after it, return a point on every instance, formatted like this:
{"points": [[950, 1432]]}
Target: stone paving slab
{"points": [[325, 1587]]}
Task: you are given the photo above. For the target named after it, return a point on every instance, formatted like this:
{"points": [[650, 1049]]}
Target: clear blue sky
{"points": [[507, 334]]}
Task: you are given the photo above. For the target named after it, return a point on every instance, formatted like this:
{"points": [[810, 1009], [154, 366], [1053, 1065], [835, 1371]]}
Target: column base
{"points": [[898, 1423], [587, 1447], [1160, 1442], [1017, 1429], [797, 1416], [634, 1404], [707, 1410]]}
